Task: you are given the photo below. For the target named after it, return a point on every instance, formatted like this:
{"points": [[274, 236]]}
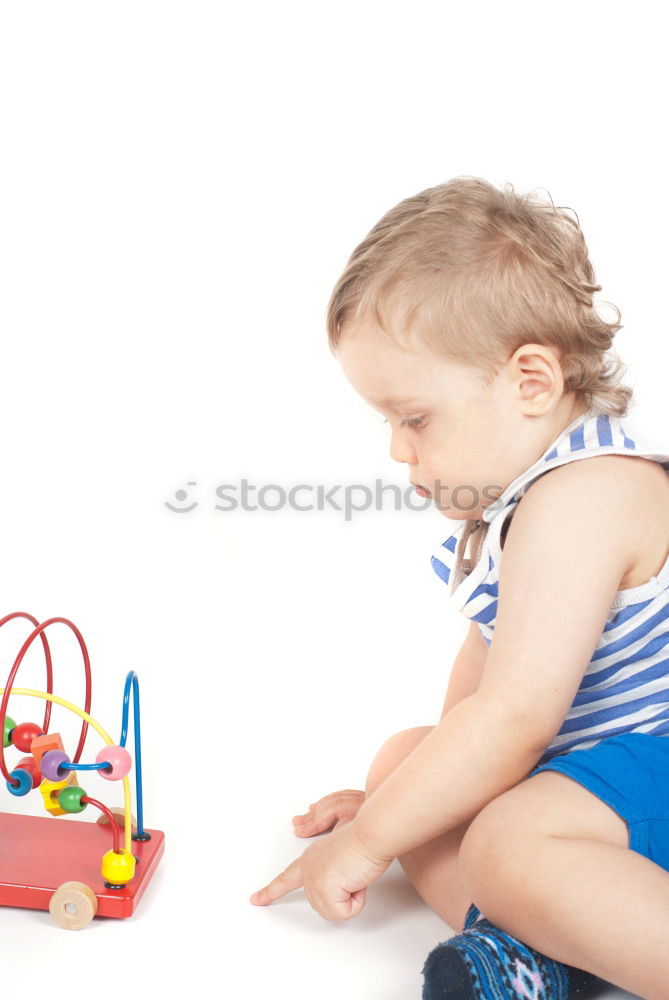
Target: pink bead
{"points": [[120, 761]]}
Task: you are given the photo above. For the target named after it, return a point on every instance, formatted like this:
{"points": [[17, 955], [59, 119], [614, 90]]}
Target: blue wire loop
{"points": [[131, 680]]}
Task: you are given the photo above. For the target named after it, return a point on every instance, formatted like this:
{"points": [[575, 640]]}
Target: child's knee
{"points": [[392, 753]]}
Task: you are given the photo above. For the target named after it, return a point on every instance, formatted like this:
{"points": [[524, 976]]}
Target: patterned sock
{"points": [[484, 963]]}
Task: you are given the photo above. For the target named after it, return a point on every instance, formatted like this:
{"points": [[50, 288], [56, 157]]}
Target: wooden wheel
{"points": [[120, 816], [73, 905]]}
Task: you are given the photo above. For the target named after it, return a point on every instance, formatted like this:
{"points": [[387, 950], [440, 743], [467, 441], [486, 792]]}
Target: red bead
{"points": [[24, 734], [120, 761], [29, 764]]}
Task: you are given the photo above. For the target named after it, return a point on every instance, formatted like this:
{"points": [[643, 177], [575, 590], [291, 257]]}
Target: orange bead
{"points": [[49, 741]]}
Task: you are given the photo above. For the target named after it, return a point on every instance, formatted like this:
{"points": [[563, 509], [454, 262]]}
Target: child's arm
{"points": [[569, 546], [467, 669]]}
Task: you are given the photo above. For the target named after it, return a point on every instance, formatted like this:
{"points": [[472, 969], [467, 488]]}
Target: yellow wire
{"points": [[105, 736]]}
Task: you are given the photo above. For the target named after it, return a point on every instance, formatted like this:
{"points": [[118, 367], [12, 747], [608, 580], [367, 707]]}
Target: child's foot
{"points": [[329, 812], [485, 963]]}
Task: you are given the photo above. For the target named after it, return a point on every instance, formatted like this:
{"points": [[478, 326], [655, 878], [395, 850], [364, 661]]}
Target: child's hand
{"points": [[335, 873], [329, 813]]}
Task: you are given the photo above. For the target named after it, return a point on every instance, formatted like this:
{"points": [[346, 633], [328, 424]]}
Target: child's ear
{"points": [[538, 376]]}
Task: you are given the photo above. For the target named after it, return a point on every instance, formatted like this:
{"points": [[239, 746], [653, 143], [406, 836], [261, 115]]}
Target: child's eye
{"points": [[409, 422]]}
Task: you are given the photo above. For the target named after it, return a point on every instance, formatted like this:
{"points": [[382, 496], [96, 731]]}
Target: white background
{"points": [[182, 184]]}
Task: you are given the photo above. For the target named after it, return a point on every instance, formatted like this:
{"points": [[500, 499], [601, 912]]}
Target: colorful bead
{"points": [[69, 799], [50, 791], [24, 734], [118, 868], [6, 736], [51, 762], [28, 764], [120, 761], [49, 741], [25, 781]]}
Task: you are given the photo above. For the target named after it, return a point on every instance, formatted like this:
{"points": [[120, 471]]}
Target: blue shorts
{"points": [[630, 772]]}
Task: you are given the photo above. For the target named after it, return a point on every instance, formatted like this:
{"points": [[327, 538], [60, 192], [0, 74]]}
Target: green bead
{"points": [[9, 725], [69, 799]]}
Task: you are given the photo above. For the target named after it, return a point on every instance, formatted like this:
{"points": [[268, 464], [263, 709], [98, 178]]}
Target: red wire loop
{"points": [[116, 830], [39, 631]]}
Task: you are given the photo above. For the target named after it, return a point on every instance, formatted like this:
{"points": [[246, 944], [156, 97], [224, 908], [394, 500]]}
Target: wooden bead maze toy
{"points": [[71, 869]]}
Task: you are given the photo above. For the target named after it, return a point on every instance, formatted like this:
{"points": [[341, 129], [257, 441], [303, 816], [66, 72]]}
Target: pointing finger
{"points": [[287, 881]]}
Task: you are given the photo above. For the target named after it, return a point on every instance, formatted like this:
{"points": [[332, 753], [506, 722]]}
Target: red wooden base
{"points": [[37, 854]]}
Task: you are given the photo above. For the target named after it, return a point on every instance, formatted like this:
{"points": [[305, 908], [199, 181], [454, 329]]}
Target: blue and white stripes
{"points": [[626, 685]]}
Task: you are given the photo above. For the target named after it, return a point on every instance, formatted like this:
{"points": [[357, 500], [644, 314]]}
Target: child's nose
{"points": [[401, 450]]}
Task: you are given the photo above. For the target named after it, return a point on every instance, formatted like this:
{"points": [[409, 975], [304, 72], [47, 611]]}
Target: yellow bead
{"points": [[50, 790], [118, 868]]}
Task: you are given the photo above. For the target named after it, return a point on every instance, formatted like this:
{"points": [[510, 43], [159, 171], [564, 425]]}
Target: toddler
{"points": [[535, 814]]}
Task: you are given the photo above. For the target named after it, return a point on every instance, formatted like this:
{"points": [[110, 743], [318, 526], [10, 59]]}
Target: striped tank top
{"points": [[625, 687]]}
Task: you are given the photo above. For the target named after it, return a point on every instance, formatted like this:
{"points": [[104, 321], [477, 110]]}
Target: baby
{"points": [[535, 814]]}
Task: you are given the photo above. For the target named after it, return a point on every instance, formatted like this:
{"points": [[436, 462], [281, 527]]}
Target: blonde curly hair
{"points": [[476, 272]]}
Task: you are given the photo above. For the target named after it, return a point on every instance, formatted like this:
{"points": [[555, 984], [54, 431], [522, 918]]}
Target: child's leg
{"points": [[549, 863], [434, 871], [432, 868]]}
